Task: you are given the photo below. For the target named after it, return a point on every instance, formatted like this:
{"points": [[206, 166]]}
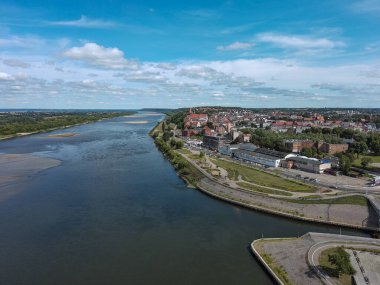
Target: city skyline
{"points": [[117, 54]]}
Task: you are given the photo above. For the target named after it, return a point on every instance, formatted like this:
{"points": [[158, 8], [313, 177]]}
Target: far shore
{"points": [[137, 122]]}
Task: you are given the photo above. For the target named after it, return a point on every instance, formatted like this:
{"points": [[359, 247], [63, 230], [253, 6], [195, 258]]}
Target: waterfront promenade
{"points": [[347, 215]]}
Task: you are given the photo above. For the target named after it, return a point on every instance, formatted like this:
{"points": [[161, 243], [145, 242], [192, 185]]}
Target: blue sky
{"points": [[134, 54]]}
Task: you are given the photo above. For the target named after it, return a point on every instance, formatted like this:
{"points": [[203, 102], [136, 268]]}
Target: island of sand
{"points": [[17, 168]]}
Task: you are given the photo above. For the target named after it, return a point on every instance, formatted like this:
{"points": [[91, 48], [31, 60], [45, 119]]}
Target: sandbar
{"points": [[63, 135], [16, 168]]}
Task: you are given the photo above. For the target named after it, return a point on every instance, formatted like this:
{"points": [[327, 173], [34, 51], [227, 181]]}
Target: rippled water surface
{"points": [[115, 212]]}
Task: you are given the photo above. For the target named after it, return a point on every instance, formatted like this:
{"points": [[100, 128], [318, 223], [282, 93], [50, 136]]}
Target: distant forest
{"points": [[12, 123]]}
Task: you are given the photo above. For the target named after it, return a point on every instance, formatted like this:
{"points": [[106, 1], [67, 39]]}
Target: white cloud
{"points": [[16, 63], [17, 41], [84, 22], [95, 54], [299, 42], [235, 46], [366, 6], [5, 76]]}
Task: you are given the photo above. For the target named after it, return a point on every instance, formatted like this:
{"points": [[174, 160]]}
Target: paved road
{"points": [[316, 250]]}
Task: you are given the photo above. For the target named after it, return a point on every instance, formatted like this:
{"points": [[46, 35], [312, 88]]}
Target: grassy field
{"points": [[260, 177], [350, 200], [375, 159], [330, 269], [262, 190]]}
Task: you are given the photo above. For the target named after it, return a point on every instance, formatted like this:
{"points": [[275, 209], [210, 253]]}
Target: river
{"points": [[115, 212]]}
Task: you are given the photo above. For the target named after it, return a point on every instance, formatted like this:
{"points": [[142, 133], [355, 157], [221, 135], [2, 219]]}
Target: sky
{"points": [[168, 54]]}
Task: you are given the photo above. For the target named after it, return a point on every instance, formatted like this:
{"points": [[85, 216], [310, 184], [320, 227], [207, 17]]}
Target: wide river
{"points": [[115, 212]]}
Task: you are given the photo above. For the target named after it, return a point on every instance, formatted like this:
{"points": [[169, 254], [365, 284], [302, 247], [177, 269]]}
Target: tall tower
{"points": [[190, 112]]}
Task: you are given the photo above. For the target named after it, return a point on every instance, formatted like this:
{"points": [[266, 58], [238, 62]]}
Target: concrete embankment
{"points": [[288, 209], [302, 265]]}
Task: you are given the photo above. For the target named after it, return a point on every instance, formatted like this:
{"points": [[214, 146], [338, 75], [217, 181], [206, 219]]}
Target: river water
{"points": [[115, 212]]}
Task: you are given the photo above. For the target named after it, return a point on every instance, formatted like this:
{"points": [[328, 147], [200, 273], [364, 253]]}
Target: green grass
{"points": [[260, 177], [330, 269], [184, 151], [312, 196], [350, 200], [262, 190], [279, 270], [375, 159]]}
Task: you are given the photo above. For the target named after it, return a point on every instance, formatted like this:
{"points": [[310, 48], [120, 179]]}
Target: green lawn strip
{"points": [[260, 177], [255, 188], [350, 200], [331, 269], [311, 197], [184, 151]]}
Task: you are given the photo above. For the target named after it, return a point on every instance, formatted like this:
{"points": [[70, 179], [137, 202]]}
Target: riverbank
{"points": [[32, 123], [347, 212]]}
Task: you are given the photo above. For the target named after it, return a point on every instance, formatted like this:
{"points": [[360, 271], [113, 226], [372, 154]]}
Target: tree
{"points": [[345, 164], [341, 259], [166, 136], [309, 151], [359, 147], [374, 143], [179, 144], [366, 161], [173, 142]]}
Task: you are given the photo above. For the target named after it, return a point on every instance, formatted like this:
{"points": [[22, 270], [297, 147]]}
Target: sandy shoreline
{"points": [[137, 122]]}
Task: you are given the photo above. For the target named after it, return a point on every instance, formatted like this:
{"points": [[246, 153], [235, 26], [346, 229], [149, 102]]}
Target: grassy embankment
{"points": [[331, 269], [349, 200], [279, 270], [187, 171], [262, 178]]}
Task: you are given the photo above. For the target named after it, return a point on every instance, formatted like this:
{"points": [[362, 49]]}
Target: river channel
{"points": [[115, 212]]}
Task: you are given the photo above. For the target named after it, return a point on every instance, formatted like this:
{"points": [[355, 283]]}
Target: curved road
{"points": [[316, 250]]}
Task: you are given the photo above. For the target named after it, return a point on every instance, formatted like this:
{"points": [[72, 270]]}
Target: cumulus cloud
{"points": [[84, 22], [6, 76], [16, 63], [95, 54], [299, 42], [235, 46]]}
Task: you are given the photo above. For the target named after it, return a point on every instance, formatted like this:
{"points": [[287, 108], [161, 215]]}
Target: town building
{"points": [[297, 146], [307, 164], [261, 156], [333, 148], [213, 142]]}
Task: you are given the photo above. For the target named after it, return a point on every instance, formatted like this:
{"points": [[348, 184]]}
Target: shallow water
{"points": [[115, 212]]}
